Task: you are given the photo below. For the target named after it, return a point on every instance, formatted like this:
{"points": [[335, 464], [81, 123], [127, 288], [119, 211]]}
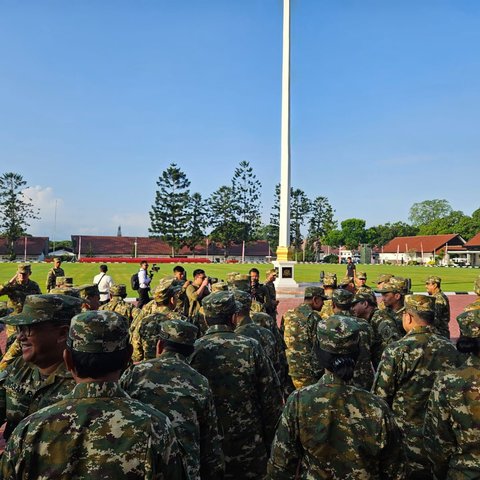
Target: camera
{"points": [[212, 280], [154, 269]]}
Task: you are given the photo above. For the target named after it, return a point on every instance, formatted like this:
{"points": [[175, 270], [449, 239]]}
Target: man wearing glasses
{"points": [[38, 377]]}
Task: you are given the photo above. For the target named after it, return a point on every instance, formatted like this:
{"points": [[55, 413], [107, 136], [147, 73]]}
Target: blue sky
{"points": [[98, 98]]}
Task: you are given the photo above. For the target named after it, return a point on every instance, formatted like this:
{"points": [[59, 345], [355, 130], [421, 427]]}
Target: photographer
{"points": [[196, 291], [144, 279]]}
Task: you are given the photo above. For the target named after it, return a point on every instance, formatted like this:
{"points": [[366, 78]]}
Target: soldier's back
{"points": [[442, 314], [97, 432], [387, 329]]}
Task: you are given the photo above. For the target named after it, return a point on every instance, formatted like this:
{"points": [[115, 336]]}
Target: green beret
{"points": [[469, 323], [342, 297], [419, 303], [46, 308], [98, 331], [311, 292], [338, 334], [178, 331]]}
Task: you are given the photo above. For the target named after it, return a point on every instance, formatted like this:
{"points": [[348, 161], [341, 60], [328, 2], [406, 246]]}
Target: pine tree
{"points": [[15, 209], [321, 219], [299, 209], [169, 214], [197, 218]]}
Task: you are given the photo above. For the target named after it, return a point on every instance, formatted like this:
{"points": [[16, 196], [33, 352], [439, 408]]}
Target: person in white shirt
{"points": [[144, 280], [104, 283]]}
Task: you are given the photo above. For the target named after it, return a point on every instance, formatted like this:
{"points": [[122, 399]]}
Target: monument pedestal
{"points": [[286, 274]]}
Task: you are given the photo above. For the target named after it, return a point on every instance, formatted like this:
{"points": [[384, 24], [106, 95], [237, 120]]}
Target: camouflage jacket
{"points": [[52, 275], [451, 433], [247, 398], [95, 432], [300, 326], [404, 380], [332, 430], [473, 306], [442, 314], [13, 352], [171, 386], [128, 310], [264, 337], [387, 328], [24, 391], [364, 373], [327, 309]]}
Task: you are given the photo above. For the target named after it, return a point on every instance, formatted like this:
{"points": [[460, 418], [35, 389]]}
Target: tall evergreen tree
{"points": [[246, 190], [169, 214], [222, 212], [197, 217], [321, 219], [299, 210], [15, 209], [274, 226]]}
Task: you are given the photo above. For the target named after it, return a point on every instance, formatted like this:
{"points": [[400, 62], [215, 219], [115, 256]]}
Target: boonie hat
{"points": [[338, 334], [419, 303], [178, 331]]}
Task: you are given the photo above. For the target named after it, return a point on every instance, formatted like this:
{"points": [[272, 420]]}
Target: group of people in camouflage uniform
{"points": [[201, 383]]}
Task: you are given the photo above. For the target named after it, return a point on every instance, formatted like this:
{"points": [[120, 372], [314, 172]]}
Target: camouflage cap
{"points": [[469, 323], [57, 259], [338, 334], [178, 331], [231, 276], [330, 280], [70, 291], [362, 275], [263, 319], [241, 281], [342, 297], [419, 303], [385, 277], [243, 298], [311, 292], [24, 268], [220, 287], [88, 290], [433, 279], [272, 271], [364, 296], [476, 285], [166, 288], [64, 281], [345, 281], [220, 305], [394, 285], [256, 306], [119, 290], [46, 308], [98, 331]]}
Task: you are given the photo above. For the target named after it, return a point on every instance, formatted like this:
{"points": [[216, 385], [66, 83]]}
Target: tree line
{"points": [[233, 214]]}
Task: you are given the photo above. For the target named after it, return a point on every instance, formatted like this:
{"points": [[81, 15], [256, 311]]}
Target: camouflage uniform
{"points": [[329, 284], [247, 399], [17, 292], [52, 275], [119, 305], [170, 385], [442, 314], [300, 325], [405, 377], [97, 431], [23, 390], [451, 433], [476, 304], [332, 430]]}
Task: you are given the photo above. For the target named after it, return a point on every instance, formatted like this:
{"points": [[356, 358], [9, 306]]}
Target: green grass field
{"points": [[453, 279]]}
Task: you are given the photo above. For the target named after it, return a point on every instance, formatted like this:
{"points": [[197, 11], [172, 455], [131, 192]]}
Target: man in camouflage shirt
{"points": [[118, 304], [97, 431], [333, 430], [300, 325], [247, 398], [361, 283], [53, 273], [171, 386], [387, 322], [329, 285], [406, 374], [17, 289], [451, 433], [38, 377], [90, 295], [442, 305], [476, 304]]}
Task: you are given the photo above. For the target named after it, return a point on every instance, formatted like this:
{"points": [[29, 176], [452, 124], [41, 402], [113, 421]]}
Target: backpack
{"points": [[134, 281]]}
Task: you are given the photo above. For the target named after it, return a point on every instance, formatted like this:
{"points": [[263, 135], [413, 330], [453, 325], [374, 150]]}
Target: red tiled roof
{"points": [[474, 242], [124, 246], [35, 246], [427, 243]]}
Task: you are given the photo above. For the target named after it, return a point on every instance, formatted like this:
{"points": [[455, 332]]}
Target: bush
{"points": [[330, 258]]}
